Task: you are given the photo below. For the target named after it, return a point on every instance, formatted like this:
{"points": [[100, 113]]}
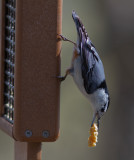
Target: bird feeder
{"points": [[29, 64]]}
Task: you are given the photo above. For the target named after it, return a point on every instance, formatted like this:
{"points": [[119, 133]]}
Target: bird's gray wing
{"points": [[89, 59]]}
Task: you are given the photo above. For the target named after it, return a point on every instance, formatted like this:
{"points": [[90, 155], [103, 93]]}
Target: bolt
{"points": [[45, 134], [28, 133]]}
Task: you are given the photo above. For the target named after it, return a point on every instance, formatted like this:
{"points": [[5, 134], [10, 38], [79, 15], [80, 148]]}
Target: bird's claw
{"points": [[61, 78], [62, 37]]}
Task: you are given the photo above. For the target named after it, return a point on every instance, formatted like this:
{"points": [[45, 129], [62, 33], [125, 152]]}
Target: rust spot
{"points": [[75, 55]]}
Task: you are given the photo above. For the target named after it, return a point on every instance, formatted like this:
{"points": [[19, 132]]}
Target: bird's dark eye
{"points": [[102, 109]]}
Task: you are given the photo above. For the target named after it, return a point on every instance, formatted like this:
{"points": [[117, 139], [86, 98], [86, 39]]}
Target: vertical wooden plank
{"points": [[27, 151], [37, 90], [2, 44], [34, 151]]}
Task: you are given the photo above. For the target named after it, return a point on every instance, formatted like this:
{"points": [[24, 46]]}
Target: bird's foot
{"points": [[61, 78], [62, 38]]}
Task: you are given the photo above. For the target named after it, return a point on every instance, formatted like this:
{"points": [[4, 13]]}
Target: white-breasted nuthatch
{"points": [[87, 71]]}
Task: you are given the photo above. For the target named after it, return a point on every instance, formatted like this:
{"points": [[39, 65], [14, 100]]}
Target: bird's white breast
{"points": [[77, 75]]}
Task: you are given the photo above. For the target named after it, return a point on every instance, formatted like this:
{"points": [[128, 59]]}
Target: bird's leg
{"points": [[62, 78], [65, 39]]}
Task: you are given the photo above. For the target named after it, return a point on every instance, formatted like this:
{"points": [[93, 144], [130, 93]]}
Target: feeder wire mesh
{"points": [[9, 59]]}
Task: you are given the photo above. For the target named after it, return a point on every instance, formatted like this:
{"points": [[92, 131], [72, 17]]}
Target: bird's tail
{"points": [[79, 26]]}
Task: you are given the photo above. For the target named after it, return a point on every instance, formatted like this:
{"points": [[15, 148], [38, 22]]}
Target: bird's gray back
{"points": [[91, 66]]}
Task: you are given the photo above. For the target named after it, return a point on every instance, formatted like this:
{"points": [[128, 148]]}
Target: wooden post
{"points": [[27, 150]]}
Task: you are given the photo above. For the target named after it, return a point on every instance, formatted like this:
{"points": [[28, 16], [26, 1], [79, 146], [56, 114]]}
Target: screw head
{"points": [[28, 133], [45, 134]]}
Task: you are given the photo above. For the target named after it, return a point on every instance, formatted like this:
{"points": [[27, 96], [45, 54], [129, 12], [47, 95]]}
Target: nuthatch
{"points": [[87, 71]]}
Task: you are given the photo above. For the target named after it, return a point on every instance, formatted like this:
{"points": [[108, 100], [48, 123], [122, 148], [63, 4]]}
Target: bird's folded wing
{"points": [[89, 58]]}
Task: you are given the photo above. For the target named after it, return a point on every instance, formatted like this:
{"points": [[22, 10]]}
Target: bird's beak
{"points": [[96, 115], [98, 121]]}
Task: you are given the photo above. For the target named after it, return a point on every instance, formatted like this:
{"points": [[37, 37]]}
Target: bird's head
{"points": [[100, 103]]}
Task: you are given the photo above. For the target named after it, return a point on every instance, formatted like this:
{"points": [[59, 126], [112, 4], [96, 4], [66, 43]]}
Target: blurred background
{"points": [[110, 25]]}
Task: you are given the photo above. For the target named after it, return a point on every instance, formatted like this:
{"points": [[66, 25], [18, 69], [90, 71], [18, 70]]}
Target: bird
{"points": [[87, 71]]}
